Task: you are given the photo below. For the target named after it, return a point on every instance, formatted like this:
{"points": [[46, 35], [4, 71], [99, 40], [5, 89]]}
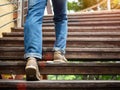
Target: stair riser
{"points": [[87, 24], [60, 85], [69, 36], [90, 44], [86, 20], [94, 29], [66, 68], [69, 55], [87, 16]]}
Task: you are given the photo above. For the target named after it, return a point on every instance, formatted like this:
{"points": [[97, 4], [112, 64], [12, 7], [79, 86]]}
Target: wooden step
{"points": [[86, 20], [59, 85], [83, 16], [78, 29], [89, 23], [72, 56], [71, 53], [69, 39], [78, 42], [50, 68], [70, 34], [19, 49]]}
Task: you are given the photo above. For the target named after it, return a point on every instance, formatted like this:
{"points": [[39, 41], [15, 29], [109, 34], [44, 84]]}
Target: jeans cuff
{"points": [[59, 49], [35, 55]]}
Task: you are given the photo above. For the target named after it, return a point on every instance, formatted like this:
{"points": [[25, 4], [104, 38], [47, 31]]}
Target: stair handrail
{"points": [[24, 9], [22, 12]]}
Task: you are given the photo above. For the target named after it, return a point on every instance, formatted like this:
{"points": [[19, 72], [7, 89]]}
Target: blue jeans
{"points": [[33, 27]]}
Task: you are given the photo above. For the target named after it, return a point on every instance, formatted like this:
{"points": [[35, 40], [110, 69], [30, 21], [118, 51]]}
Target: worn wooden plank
{"points": [[85, 20], [78, 28], [9, 41], [90, 23], [71, 53], [68, 49], [17, 67], [85, 16], [75, 57], [69, 39], [58, 85], [70, 34]]}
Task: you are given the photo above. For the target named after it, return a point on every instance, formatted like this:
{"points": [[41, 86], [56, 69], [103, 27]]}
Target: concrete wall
{"points": [[7, 18]]}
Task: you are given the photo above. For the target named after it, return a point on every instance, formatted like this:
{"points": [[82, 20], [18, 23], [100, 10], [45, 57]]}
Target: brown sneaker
{"points": [[32, 70], [59, 58]]}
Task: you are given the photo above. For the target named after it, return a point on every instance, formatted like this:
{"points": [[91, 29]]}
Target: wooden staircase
{"points": [[93, 40]]}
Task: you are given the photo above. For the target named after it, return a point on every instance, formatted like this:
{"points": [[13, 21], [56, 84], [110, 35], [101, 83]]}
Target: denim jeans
{"points": [[33, 27]]}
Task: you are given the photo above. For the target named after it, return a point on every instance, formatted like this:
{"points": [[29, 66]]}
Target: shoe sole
{"points": [[31, 73], [59, 61]]}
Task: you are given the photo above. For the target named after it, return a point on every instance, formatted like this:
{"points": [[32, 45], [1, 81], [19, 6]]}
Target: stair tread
{"points": [[74, 49], [76, 34], [64, 68], [81, 20], [60, 84], [88, 15], [62, 81], [76, 27], [89, 23], [69, 33], [76, 54], [52, 64], [72, 57], [69, 39]]}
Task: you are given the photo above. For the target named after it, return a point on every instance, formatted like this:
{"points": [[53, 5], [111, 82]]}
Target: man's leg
{"points": [[33, 37], [61, 29]]}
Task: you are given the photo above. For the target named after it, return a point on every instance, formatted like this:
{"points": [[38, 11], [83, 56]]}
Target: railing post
{"points": [[108, 4], [20, 13], [98, 6], [49, 8]]}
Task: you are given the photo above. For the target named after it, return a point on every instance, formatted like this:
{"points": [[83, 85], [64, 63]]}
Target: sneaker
{"points": [[59, 58], [32, 70]]}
